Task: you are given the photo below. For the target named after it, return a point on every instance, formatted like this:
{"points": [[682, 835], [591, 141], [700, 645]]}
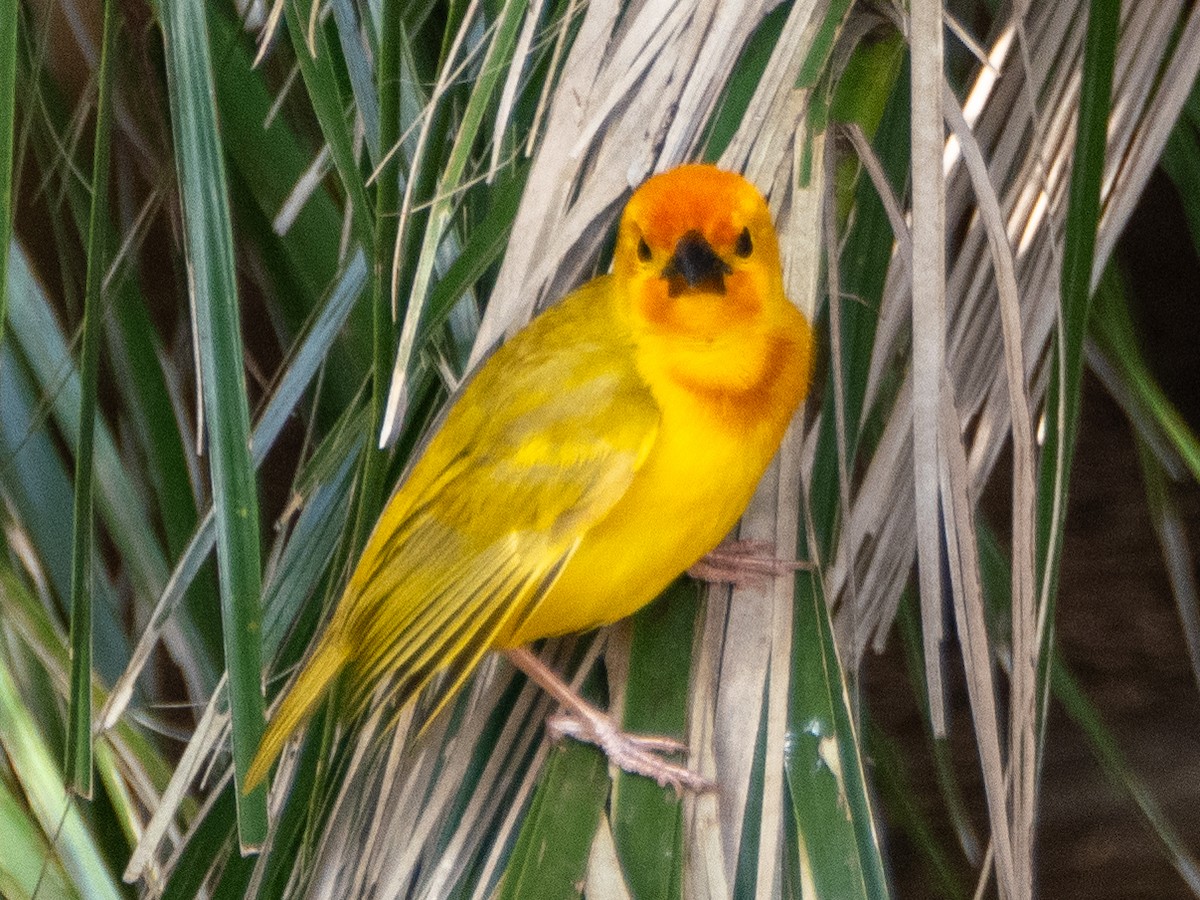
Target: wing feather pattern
{"points": [[540, 445]]}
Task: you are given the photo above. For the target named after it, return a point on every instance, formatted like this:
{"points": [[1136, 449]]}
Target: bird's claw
{"points": [[633, 753], [743, 563]]}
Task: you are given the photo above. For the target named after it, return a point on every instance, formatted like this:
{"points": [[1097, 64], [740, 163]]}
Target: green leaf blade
{"points": [[1083, 216], [824, 769], [79, 748], [209, 243], [550, 858]]}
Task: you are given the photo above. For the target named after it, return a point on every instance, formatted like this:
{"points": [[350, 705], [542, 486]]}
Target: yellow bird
{"points": [[594, 457]]}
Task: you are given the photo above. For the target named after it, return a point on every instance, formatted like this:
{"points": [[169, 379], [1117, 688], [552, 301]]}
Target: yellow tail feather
{"points": [[301, 700]]}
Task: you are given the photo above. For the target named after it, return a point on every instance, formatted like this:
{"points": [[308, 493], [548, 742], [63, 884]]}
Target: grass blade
{"points": [[386, 227], [1171, 530], [928, 327], [1117, 767], [321, 80], [40, 782], [824, 768], [551, 854], [310, 354], [78, 764], [209, 244], [1118, 360], [495, 62], [647, 820], [40, 486], [358, 68], [27, 865], [8, 89], [46, 349], [1062, 400]]}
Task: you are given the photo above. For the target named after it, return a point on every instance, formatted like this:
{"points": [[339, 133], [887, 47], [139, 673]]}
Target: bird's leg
{"points": [[636, 754], [743, 563]]}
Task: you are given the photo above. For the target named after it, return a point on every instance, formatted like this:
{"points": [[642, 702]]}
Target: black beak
{"points": [[695, 265]]}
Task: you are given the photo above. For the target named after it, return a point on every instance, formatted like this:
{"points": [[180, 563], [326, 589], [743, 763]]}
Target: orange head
{"points": [[697, 255]]}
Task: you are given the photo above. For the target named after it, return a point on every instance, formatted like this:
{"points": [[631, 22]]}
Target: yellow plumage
{"points": [[595, 456]]}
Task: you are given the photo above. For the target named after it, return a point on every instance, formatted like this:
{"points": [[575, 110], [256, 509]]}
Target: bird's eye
{"points": [[744, 246], [644, 253]]}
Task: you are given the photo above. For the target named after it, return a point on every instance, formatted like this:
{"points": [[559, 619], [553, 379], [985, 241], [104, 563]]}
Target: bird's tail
{"points": [[298, 704]]}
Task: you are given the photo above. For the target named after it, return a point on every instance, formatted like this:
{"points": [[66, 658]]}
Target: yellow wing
{"points": [[539, 445]]}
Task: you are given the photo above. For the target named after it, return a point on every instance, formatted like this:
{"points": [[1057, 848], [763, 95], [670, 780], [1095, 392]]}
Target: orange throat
{"points": [[745, 384]]}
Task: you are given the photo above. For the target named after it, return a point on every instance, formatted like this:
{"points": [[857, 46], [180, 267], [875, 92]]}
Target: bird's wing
{"points": [[539, 446]]}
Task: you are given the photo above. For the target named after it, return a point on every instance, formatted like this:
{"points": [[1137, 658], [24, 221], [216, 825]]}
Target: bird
{"points": [[589, 461]]}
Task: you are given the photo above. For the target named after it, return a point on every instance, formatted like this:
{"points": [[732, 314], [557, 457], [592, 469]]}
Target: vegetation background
{"points": [[251, 243]]}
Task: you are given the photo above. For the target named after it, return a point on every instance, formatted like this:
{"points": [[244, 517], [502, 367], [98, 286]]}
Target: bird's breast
{"points": [[710, 452]]}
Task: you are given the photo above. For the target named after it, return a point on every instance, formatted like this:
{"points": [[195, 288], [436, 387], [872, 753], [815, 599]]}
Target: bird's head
{"points": [[697, 254]]}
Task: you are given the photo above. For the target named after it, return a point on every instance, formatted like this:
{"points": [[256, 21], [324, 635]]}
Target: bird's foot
{"points": [[743, 563], [636, 754]]}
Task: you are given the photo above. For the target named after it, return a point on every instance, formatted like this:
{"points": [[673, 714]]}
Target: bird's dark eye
{"points": [[744, 246], [644, 253]]}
